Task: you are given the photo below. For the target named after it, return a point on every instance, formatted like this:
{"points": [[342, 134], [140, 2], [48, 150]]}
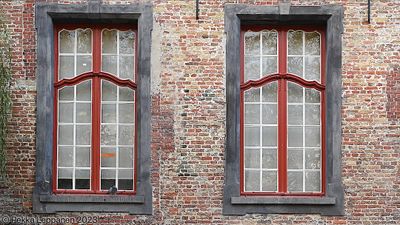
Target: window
{"points": [[283, 126], [95, 109], [93, 114], [282, 111]]}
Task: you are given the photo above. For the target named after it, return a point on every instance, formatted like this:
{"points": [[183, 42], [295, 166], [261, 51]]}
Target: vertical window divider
{"points": [[260, 108]]}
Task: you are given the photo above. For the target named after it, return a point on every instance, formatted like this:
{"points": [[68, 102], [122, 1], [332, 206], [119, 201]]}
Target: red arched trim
{"points": [[290, 77], [101, 75]]}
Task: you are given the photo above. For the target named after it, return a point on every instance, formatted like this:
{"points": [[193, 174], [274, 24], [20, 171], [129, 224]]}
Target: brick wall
{"points": [[188, 115]]}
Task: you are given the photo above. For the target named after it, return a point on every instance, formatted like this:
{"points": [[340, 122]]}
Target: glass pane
{"points": [[252, 43], [295, 136], [65, 178], [269, 114], [107, 179], [66, 67], [126, 42], [252, 180], [82, 156], [295, 181], [313, 181], [312, 68], [269, 181], [83, 112], [66, 112], [312, 114], [108, 134], [125, 179], [313, 137], [252, 158], [109, 41], [252, 95], [126, 67], [84, 41], [65, 156], [295, 114], [108, 113], [82, 179], [109, 91], [108, 157], [251, 68], [83, 64], [126, 94], [83, 91], [65, 134], [252, 114], [269, 136], [66, 93], [269, 92], [109, 64], [312, 96], [295, 159], [295, 42], [126, 135], [269, 42], [252, 136], [269, 159], [125, 157], [83, 134], [313, 159], [295, 93], [269, 65], [295, 66], [126, 113], [312, 43], [67, 41]]}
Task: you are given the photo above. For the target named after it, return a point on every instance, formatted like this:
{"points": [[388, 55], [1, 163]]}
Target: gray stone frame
{"points": [[47, 14], [329, 16]]}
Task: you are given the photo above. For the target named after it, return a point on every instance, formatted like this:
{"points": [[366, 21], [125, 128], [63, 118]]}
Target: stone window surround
{"points": [[331, 17], [48, 14]]}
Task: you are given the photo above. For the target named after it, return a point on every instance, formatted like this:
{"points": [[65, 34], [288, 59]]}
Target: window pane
{"points": [[65, 134], [82, 156], [313, 159], [107, 179], [313, 181], [251, 68], [295, 66], [109, 91], [313, 114], [108, 113], [82, 179], [84, 41], [109, 64], [109, 41], [126, 94], [66, 112], [66, 93], [295, 136], [252, 95], [269, 159], [83, 112], [269, 136], [126, 42], [269, 113], [66, 67], [83, 91], [252, 43], [269, 181], [295, 159], [108, 134], [252, 136], [312, 68], [269, 65], [295, 93], [295, 181], [65, 156], [313, 137], [312, 43], [295, 114], [65, 178], [83, 136], [125, 157], [312, 96], [67, 41], [252, 158], [269, 92], [295, 42], [125, 179], [108, 157], [83, 64], [252, 180], [269, 42], [126, 67], [252, 114], [126, 135], [126, 113]]}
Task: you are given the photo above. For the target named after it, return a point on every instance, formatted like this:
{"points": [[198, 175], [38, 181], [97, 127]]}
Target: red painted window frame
{"points": [[282, 77], [96, 75]]}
